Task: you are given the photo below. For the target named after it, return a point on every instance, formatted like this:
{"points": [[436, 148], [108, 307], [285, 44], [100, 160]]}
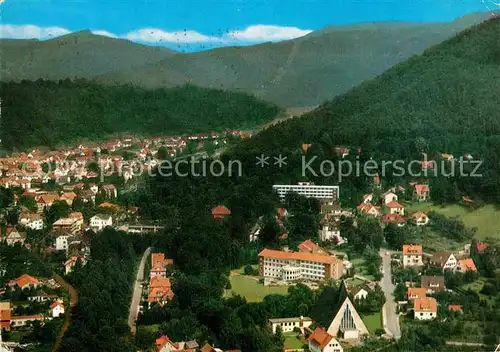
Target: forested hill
{"points": [[50, 113], [443, 101]]}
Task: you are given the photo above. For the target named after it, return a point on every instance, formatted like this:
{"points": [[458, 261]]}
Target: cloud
{"points": [[104, 33], [153, 35], [265, 33], [30, 31], [249, 35]]}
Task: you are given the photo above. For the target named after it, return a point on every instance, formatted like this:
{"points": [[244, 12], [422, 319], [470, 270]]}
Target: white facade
{"points": [[99, 222], [62, 242], [283, 266], [57, 311], [451, 263], [332, 346], [412, 260], [389, 197], [329, 232], [288, 324], [308, 190], [425, 315]]}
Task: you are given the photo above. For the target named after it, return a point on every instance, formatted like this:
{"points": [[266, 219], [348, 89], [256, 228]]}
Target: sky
{"points": [[190, 25]]}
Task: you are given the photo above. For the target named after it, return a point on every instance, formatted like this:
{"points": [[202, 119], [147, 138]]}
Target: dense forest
{"points": [[104, 292], [50, 113]]}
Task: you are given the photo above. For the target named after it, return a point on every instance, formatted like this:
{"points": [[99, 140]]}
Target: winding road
{"points": [[137, 292], [389, 311]]}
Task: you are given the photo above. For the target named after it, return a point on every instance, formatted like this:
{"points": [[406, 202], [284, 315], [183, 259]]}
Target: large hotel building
{"points": [[292, 266], [309, 190]]}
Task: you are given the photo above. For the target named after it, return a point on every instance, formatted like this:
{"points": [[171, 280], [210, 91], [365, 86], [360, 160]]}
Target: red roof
{"points": [[394, 204], [455, 307], [318, 258], [421, 189], [320, 337], [481, 246], [393, 219], [221, 210]]}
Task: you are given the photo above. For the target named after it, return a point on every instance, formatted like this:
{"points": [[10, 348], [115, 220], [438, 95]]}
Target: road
{"points": [[137, 293], [391, 319]]}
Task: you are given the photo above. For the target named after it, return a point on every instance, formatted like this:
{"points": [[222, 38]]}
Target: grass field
{"points": [[360, 267], [485, 219], [292, 341], [250, 288], [373, 322]]}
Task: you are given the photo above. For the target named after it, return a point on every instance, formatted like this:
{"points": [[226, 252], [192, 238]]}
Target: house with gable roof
{"points": [[412, 255], [322, 341], [421, 192]]}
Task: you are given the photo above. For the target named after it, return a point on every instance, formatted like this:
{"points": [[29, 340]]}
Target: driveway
{"points": [[390, 317], [136, 295]]}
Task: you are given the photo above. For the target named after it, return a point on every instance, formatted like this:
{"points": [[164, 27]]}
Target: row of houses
{"points": [[413, 256]]}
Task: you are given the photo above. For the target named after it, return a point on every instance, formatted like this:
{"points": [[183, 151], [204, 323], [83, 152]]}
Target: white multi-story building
{"points": [[32, 220], [309, 190], [293, 266], [62, 242], [100, 221]]}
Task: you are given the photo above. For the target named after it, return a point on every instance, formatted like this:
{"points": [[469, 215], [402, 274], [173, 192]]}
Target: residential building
{"points": [[421, 192], [294, 266], [23, 320], [12, 236], [420, 218], [369, 209], [309, 190], [358, 293], [56, 309], [5, 315], [465, 265], [444, 260], [367, 198], [100, 221], [395, 219], [425, 308], [62, 241], [479, 247], [330, 229], [160, 290], [68, 197], [414, 293], [165, 344], [25, 281], [33, 221], [321, 341], [46, 200], [309, 246], [69, 225], [346, 322], [432, 284], [288, 324], [395, 208], [412, 255], [159, 265], [71, 262], [388, 197], [109, 191], [220, 212]]}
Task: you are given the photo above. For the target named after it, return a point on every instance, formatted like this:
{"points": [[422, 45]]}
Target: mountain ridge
{"points": [[300, 72]]}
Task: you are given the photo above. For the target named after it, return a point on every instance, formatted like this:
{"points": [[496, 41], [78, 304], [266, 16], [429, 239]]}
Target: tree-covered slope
{"points": [[444, 101], [81, 54], [301, 72], [49, 113]]}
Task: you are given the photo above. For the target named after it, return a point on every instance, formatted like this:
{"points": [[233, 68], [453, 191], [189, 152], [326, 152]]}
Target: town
{"points": [[55, 215]]}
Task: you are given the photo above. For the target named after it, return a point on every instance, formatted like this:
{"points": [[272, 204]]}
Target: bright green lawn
{"points": [[373, 322], [485, 219], [292, 341], [251, 289]]}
